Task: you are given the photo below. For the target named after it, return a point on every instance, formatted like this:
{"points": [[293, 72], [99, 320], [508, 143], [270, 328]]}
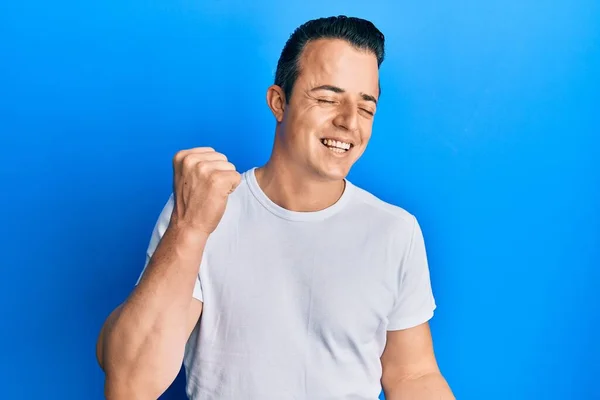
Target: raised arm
{"points": [[141, 344]]}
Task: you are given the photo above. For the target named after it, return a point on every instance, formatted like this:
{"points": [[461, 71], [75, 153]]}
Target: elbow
{"points": [[107, 328], [100, 349], [139, 362], [132, 371], [101, 341]]}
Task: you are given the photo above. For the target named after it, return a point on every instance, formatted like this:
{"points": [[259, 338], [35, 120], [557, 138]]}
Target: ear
{"points": [[276, 101]]}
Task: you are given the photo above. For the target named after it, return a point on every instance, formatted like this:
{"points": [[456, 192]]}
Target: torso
{"points": [[296, 304]]}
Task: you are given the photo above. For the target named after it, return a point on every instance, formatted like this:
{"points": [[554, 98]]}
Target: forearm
{"points": [[430, 386], [166, 287], [144, 339]]}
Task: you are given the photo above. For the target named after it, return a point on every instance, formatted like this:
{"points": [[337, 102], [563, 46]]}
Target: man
{"points": [[285, 281]]}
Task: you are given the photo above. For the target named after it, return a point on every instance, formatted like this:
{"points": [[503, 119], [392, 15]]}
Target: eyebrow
{"points": [[336, 89]]}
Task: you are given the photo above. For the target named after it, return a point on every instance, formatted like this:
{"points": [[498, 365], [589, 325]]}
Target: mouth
{"points": [[337, 146]]}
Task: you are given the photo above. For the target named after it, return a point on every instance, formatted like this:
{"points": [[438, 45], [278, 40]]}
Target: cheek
{"points": [[314, 119], [365, 134], [317, 115]]}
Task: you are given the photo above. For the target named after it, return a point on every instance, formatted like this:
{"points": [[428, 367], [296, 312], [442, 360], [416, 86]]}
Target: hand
{"points": [[202, 181]]}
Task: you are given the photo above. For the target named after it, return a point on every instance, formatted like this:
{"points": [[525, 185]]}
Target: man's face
{"points": [[327, 124]]}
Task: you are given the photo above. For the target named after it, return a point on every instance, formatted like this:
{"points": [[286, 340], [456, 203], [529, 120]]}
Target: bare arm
{"points": [[142, 342], [410, 370]]}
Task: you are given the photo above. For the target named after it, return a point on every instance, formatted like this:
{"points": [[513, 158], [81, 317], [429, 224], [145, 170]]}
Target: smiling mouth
{"points": [[336, 146]]}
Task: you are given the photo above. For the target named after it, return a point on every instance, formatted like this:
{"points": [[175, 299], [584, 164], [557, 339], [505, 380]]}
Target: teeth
{"points": [[337, 145]]}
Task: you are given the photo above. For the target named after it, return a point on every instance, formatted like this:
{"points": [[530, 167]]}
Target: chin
{"points": [[333, 174]]}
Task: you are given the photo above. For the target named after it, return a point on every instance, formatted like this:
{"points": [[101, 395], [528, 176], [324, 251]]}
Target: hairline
{"points": [[297, 67]]}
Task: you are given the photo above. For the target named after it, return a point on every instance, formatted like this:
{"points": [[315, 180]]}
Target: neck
{"points": [[294, 189]]}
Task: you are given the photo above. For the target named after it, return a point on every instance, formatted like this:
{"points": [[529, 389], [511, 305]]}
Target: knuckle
{"points": [[188, 161], [178, 156], [204, 168]]}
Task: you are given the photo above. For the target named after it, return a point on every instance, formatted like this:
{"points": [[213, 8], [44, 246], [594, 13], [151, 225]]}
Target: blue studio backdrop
{"points": [[487, 131]]}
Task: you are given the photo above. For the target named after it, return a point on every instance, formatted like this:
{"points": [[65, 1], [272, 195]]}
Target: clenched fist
{"points": [[202, 181]]}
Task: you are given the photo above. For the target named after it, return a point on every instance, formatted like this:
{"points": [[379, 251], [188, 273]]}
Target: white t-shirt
{"points": [[297, 304]]}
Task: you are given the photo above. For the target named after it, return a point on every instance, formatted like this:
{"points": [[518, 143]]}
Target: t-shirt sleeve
{"points": [[415, 302], [157, 233]]}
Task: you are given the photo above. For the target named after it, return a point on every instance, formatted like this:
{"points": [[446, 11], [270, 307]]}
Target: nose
{"points": [[347, 118]]}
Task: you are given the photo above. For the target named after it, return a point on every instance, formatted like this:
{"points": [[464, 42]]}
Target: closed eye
{"points": [[371, 113], [325, 101]]}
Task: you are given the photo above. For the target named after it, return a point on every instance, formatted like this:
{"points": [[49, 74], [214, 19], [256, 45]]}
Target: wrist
{"points": [[188, 235]]}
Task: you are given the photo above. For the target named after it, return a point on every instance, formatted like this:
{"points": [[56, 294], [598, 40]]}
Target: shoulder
{"points": [[383, 215], [375, 206]]}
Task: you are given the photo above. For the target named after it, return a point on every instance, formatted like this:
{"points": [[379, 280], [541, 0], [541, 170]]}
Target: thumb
{"points": [[235, 181]]}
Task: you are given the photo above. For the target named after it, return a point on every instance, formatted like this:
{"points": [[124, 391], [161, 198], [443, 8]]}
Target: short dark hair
{"points": [[359, 32]]}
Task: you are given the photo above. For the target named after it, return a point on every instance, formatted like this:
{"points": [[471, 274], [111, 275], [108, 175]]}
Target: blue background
{"points": [[487, 131]]}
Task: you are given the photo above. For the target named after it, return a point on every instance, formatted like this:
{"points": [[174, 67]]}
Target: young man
{"points": [[285, 281]]}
